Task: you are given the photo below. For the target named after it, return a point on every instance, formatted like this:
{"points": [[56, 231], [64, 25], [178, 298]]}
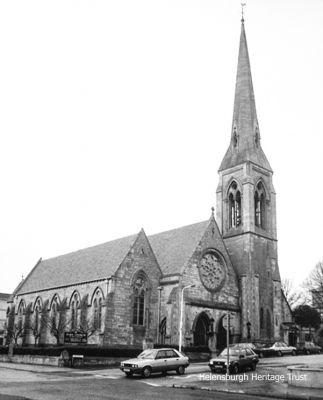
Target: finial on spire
{"points": [[242, 11], [212, 209]]}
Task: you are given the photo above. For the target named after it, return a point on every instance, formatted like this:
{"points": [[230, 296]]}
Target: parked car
{"points": [[155, 360], [276, 349], [239, 359], [308, 348], [255, 347]]}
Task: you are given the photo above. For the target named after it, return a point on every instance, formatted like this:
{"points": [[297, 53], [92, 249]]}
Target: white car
{"points": [[278, 349], [156, 360]]}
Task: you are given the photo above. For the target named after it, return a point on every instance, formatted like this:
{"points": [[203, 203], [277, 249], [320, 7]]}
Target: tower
{"points": [[246, 212]]}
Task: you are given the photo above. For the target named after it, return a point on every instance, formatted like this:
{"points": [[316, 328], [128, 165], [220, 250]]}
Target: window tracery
{"points": [[140, 288]]}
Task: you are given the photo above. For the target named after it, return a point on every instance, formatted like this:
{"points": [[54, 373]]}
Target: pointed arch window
{"points": [[97, 310], [75, 306], [234, 205], [37, 311], [21, 312], [260, 206], [54, 315], [140, 289]]}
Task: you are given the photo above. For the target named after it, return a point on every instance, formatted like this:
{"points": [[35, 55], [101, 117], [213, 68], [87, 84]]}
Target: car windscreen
{"points": [[151, 354], [232, 352]]}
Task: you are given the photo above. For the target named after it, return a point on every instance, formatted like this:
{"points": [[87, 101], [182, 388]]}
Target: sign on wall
{"points": [[75, 337]]}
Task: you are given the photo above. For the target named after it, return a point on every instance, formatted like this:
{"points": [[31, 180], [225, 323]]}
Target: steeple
{"points": [[245, 136]]}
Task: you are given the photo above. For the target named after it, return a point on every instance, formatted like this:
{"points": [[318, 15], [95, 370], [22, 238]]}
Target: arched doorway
{"points": [[201, 331], [221, 337]]}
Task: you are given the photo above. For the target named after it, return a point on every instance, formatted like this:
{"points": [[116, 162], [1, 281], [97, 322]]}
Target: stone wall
{"points": [[119, 322]]}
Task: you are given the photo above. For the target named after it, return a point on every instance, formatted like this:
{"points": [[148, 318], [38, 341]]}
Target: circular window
{"points": [[212, 271]]}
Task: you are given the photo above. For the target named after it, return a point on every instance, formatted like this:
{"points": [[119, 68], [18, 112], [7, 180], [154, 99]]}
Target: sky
{"points": [[115, 116]]}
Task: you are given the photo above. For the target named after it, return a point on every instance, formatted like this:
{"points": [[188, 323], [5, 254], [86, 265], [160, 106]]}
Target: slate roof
{"points": [[98, 262], [174, 248]]}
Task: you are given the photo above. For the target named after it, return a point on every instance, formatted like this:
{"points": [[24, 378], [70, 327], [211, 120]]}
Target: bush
{"points": [[4, 349]]}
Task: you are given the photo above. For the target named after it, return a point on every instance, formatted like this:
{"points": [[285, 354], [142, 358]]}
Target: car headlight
{"points": [[121, 364]]}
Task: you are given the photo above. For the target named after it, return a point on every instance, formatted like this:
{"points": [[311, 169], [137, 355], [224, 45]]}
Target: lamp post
{"points": [[181, 316], [158, 316]]}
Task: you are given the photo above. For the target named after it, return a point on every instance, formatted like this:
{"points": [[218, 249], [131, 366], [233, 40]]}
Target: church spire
{"points": [[245, 135]]}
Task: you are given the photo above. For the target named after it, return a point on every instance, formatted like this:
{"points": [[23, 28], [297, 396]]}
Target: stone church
{"points": [[130, 291]]}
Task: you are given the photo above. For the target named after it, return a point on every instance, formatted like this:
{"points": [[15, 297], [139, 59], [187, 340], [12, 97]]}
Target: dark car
{"points": [[255, 347], [239, 359], [308, 348], [155, 360]]}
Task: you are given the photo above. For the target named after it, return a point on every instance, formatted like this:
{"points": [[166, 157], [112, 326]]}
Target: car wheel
{"points": [[146, 372], [293, 353], [253, 366], [235, 369], [280, 354], [180, 370], [129, 374]]}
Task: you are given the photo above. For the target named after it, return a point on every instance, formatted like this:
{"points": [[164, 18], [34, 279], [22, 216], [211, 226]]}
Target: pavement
{"points": [[270, 379]]}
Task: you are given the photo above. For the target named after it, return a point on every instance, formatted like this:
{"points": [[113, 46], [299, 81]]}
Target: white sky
{"points": [[115, 115]]}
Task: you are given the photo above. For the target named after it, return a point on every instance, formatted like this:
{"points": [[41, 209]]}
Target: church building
{"points": [[199, 278]]}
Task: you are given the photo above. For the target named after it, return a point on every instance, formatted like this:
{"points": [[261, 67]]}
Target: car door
{"points": [[249, 357], [284, 348], [243, 359], [173, 360], [160, 362]]}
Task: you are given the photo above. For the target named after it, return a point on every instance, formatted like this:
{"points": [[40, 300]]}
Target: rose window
{"points": [[212, 273]]}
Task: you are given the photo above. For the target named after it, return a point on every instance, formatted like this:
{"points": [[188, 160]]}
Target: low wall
{"points": [[305, 376], [29, 359], [59, 362]]}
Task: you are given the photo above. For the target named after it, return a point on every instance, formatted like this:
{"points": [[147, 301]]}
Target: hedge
{"points": [[89, 351], [186, 349]]}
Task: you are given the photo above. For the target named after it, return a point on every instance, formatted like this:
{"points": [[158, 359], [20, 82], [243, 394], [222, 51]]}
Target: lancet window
{"points": [[54, 313], [140, 291], [97, 310], [75, 307], [37, 312], [234, 205], [260, 206]]}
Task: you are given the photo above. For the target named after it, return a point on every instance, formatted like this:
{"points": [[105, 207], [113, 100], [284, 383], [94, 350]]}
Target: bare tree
{"points": [[14, 330], [293, 296], [57, 323], [86, 324], [314, 286]]}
